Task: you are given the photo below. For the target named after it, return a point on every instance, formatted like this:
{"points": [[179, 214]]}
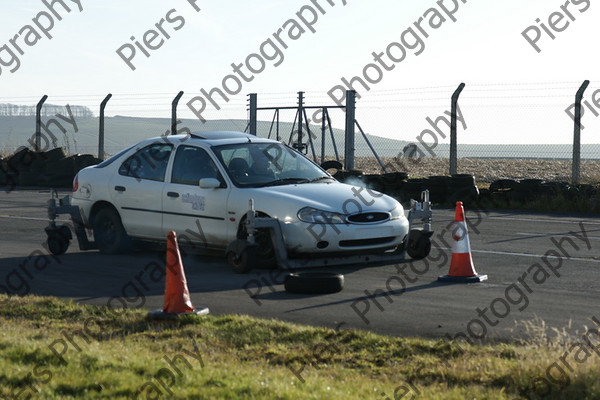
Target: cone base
{"points": [[160, 315], [462, 279]]}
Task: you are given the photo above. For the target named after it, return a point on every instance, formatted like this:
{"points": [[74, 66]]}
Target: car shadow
{"points": [[90, 276], [286, 296]]}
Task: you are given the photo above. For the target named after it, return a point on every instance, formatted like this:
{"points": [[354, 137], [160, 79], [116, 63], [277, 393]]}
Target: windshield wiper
{"points": [[283, 181], [321, 178]]}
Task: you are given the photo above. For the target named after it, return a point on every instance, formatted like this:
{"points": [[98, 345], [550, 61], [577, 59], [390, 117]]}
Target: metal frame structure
{"points": [[300, 122]]}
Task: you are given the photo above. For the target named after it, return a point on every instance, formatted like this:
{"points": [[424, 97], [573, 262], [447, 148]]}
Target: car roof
{"points": [[212, 138]]}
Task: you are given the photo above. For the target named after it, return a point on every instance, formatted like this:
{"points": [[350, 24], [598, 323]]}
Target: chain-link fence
{"points": [[513, 131]]}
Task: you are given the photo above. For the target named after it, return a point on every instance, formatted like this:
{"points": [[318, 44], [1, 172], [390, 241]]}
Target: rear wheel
{"points": [[58, 240], [109, 233]]}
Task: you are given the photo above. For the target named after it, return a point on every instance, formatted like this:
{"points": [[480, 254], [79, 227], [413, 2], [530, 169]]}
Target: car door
{"points": [[137, 187], [197, 214]]}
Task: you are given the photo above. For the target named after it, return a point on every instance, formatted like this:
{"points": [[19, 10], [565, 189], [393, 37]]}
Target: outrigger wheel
{"points": [[241, 255], [59, 238], [418, 244]]}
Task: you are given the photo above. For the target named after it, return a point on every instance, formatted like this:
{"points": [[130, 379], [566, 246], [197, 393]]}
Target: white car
{"points": [[200, 185]]}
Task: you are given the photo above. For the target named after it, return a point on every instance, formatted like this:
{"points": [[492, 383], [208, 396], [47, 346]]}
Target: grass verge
{"points": [[54, 349]]}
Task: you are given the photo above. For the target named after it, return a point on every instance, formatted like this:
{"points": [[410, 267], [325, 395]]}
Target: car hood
{"points": [[327, 196]]}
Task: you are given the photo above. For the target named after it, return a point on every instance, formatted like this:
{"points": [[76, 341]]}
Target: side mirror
{"points": [[209, 183]]}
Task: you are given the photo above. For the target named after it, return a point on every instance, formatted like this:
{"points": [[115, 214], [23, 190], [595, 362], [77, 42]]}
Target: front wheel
{"points": [[109, 233]]}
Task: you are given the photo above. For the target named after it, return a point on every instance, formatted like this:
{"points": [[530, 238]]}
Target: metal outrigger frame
{"points": [[242, 253]]}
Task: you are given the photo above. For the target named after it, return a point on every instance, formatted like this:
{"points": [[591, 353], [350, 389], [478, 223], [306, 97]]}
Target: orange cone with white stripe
{"points": [[177, 295], [461, 265]]}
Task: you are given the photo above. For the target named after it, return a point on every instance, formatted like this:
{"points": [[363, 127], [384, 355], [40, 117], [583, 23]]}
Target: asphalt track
{"points": [[541, 267]]}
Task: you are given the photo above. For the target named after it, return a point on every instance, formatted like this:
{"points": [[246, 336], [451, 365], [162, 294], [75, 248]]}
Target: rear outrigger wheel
{"points": [[418, 244], [241, 256], [109, 233], [59, 239]]}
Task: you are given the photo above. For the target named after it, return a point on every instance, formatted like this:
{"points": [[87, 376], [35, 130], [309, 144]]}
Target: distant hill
{"points": [[121, 131], [15, 131]]}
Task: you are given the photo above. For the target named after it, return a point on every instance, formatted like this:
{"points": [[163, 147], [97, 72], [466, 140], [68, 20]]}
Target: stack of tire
{"points": [[390, 183], [528, 190], [3, 173], [462, 187], [442, 189], [51, 168], [351, 176]]}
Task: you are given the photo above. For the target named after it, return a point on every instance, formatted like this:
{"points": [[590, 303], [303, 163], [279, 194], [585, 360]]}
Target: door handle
{"points": [[120, 188], [173, 194]]}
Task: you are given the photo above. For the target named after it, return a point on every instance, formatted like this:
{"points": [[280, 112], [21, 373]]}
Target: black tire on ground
{"points": [[314, 282], [244, 262], [58, 240], [109, 233], [419, 244]]}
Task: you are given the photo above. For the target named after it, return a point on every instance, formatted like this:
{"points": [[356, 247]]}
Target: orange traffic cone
{"points": [[177, 294], [461, 265]]}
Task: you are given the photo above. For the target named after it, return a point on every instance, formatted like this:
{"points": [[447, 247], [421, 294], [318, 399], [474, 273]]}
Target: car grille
{"points": [[366, 242], [368, 217]]}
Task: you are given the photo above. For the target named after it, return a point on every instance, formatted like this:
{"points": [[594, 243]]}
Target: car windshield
{"points": [[267, 164]]}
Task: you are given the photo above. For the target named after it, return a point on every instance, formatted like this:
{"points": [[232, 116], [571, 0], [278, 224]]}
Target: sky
{"points": [[513, 93]]}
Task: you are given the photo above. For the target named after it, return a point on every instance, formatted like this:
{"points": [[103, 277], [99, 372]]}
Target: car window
{"points": [[148, 163], [112, 159], [192, 164]]}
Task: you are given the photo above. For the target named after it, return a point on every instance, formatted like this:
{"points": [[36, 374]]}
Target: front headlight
{"points": [[314, 216], [397, 212]]}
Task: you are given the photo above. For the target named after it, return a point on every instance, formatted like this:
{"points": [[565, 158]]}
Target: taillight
{"points": [[76, 183]]}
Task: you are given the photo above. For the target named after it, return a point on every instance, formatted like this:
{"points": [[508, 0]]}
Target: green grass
{"points": [[234, 357]]}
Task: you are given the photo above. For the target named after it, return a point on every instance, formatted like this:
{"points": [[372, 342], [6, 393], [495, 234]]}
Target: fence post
{"points": [[101, 127], [174, 104], [300, 120], [38, 122], [350, 123], [322, 135], [453, 146], [253, 105], [577, 134]]}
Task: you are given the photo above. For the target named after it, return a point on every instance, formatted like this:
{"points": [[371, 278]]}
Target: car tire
{"points": [[109, 233], [313, 282], [331, 164]]}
